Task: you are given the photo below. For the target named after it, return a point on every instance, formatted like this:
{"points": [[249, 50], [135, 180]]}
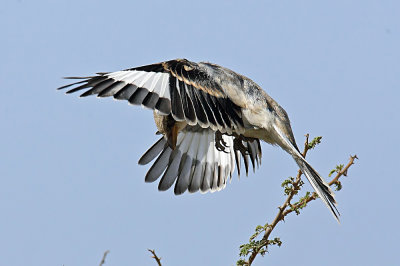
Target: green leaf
{"points": [[241, 262], [337, 169], [338, 185], [276, 241], [288, 185], [244, 250], [259, 230], [301, 203], [332, 172], [314, 142]]}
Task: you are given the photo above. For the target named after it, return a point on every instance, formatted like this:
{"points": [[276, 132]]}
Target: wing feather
{"points": [[196, 164], [126, 92], [187, 90]]}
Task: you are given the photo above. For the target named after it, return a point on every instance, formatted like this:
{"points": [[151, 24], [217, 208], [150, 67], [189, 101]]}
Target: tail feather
{"points": [[320, 186], [317, 182]]}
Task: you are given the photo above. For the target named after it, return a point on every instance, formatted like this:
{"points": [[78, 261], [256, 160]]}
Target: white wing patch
{"points": [[151, 81], [151, 84]]}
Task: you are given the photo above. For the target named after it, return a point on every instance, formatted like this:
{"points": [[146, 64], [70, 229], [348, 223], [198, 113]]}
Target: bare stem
{"points": [[103, 260], [155, 257]]}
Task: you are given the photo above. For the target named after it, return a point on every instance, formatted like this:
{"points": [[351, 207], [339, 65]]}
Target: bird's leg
{"points": [[220, 144], [170, 128], [172, 136]]}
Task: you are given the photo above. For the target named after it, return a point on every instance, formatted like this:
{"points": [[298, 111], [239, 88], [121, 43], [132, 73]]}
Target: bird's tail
{"points": [[320, 186]]}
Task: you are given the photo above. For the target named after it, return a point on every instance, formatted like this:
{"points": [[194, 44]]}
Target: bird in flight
{"points": [[210, 118]]}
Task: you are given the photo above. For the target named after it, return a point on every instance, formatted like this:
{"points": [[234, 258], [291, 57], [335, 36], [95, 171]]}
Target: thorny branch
{"points": [[260, 247], [334, 181], [157, 259]]}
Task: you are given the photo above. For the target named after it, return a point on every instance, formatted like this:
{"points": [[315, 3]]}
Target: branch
{"points": [[292, 187], [334, 181], [103, 260], [158, 259], [343, 171]]}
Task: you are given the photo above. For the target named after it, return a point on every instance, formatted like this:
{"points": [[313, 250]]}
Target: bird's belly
{"points": [[261, 134], [259, 124]]}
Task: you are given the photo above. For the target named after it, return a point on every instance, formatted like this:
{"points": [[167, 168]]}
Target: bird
{"points": [[210, 118]]}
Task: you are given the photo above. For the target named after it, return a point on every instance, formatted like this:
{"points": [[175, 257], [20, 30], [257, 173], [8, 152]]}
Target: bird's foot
{"points": [[220, 143], [238, 145]]}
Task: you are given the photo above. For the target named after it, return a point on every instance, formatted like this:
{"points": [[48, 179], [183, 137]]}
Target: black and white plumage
{"points": [[210, 118], [196, 164]]}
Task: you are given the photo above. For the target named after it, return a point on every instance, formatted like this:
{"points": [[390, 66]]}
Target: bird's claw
{"points": [[220, 143], [238, 145]]}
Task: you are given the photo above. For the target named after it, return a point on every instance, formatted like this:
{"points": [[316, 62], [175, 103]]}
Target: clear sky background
{"points": [[70, 186]]}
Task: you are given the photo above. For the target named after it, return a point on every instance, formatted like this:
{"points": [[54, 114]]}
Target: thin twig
{"points": [[306, 148], [344, 170], [157, 259], [103, 260]]}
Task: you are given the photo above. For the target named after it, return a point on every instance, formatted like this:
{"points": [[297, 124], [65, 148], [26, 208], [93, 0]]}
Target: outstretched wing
{"points": [[196, 163], [184, 89]]}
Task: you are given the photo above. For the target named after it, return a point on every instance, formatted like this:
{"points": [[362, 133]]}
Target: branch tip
{"points": [[103, 260], [154, 256]]}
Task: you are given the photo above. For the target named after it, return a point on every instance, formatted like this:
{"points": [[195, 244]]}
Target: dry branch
{"points": [[103, 260], [155, 257]]}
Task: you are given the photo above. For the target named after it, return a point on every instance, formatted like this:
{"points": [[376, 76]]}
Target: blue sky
{"points": [[70, 184]]}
